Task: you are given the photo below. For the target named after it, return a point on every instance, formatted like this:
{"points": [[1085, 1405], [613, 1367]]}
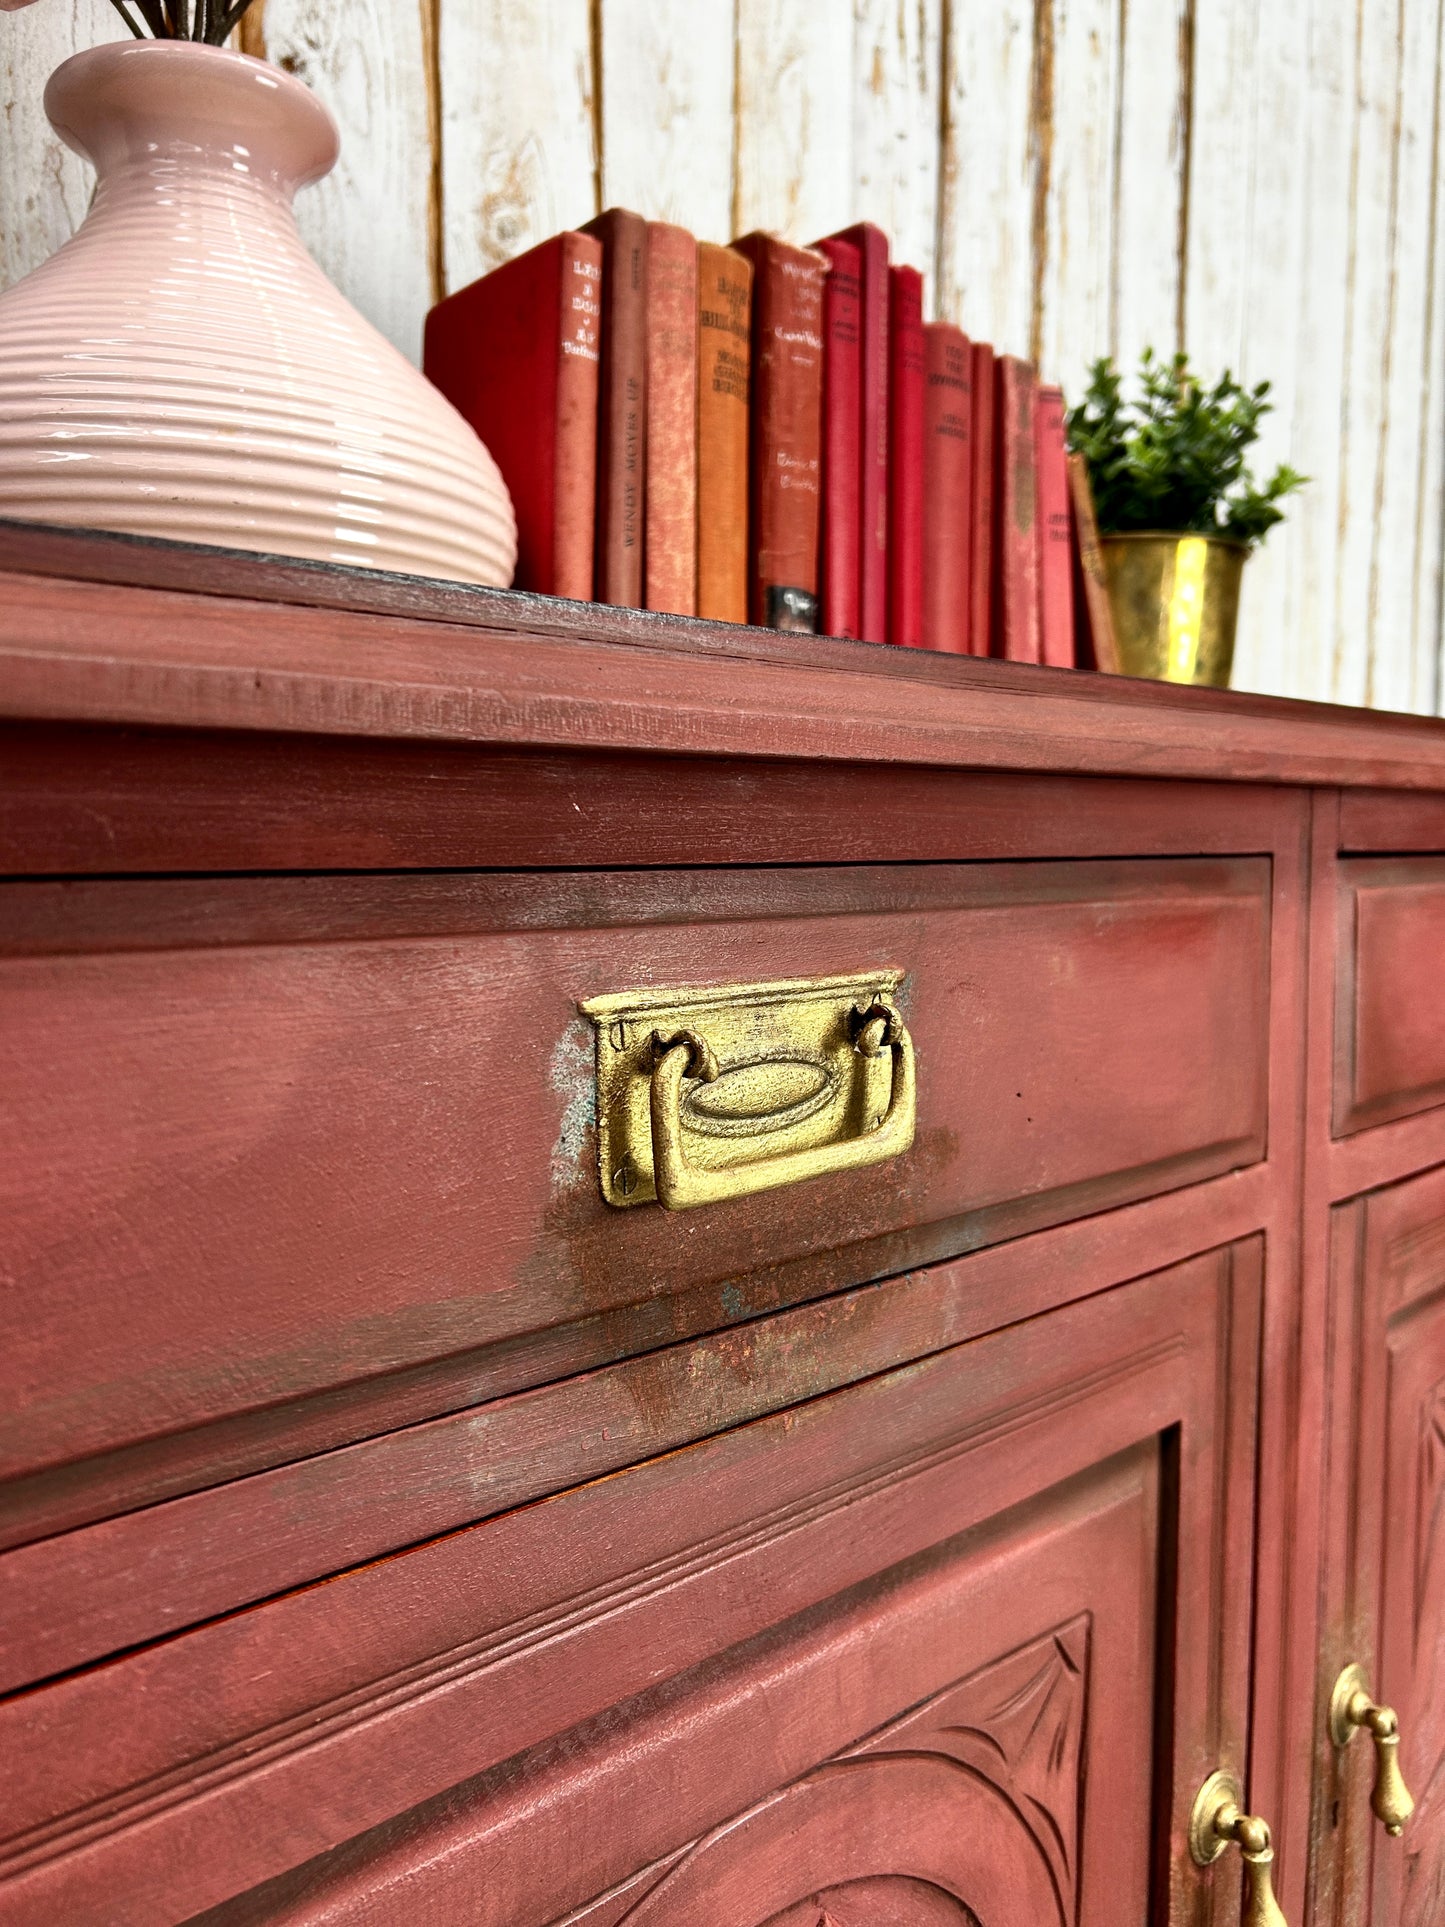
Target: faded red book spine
{"points": [[670, 561], [872, 245], [842, 445], [724, 345], [981, 553], [622, 408], [1055, 532], [905, 457], [947, 487], [516, 353], [787, 422], [1016, 540]]}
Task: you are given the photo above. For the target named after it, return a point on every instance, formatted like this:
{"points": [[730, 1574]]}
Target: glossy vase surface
{"points": [[182, 368], [1175, 604]]}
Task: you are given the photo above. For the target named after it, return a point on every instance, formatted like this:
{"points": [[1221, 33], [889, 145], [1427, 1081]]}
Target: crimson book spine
{"points": [[842, 437], [947, 487], [905, 457]]}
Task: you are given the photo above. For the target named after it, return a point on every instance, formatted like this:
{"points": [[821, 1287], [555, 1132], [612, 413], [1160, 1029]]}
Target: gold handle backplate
{"points": [[704, 1095], [1219, 1821], [1352, 1709]]}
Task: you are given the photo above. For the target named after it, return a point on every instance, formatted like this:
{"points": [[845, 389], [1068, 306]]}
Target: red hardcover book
{"points": [[787, 427], [842, 428], [1097, 646], [872, 245], [905, 457], [622, 408], [1055, 531], [947, 487], [1016, 539], [981, 558], [671, 515], [724, 338], [516, 353]]}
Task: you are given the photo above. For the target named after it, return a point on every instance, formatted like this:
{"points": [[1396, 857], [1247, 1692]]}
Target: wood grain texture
{"points": [[897, 50], [1072, 321], [518, 120], [44, 188], [369, 64], [1150, 181], [554, 674], [986, 215], [1390, 1022], [667, 111], [794, 109]]}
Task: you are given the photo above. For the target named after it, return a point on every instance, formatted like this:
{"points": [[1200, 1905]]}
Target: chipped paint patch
{"points": [[572, 1074]]}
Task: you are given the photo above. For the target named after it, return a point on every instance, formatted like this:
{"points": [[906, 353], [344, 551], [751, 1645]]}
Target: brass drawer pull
{"points": [[714, 1094], [1219, 1821], [1352, 1708]]}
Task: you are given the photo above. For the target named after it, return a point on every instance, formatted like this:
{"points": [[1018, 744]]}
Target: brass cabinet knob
{"points": [[1352, 1708], [1218, 1821]]}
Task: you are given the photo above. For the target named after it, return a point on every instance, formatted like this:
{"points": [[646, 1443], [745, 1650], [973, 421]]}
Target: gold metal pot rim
{"points": [[1177, 535]]}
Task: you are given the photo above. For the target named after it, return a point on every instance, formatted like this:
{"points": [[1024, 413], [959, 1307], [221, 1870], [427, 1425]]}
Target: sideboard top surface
{"points": [[109, 629]]}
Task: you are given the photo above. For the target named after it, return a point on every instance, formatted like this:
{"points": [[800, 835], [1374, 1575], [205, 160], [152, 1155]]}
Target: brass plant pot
{"points": [[1175, 602]]}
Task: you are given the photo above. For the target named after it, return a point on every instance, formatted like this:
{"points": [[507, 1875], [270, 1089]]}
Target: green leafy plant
{"points": [[1173, 460]]}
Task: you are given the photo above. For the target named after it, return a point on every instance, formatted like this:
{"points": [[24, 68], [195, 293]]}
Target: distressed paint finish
{"points": [[667, 110], [1259, 180], [368, 60], [518, 124], [794, 118]]}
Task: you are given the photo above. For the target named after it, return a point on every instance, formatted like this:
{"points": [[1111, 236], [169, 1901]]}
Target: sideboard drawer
{"points": [[263, 1139], [1389, 1011]]}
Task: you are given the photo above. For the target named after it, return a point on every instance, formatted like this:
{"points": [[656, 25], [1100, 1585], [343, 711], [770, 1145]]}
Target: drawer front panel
{"points": [[261, 1140], [953, 1562], [1389, 1012]]}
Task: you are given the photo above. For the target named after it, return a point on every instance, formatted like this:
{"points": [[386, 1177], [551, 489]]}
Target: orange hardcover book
{"points": [[947, 487], [724, 340], [516, 354], [670, 557], [787, 425], [622, 408]]}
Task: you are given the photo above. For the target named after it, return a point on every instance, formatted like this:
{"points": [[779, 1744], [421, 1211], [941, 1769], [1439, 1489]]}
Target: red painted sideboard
{"points": [[395, 1530]]}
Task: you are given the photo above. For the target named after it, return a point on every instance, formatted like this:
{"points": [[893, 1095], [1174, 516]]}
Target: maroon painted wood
{"points": [[390, 1530]]}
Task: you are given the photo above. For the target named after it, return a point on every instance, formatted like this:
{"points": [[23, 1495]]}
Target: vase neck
{"points": [[147, 111]]}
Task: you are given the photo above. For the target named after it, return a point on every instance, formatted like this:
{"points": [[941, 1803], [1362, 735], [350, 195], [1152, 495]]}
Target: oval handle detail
{"points": [[1351, 1709], [1219, 1821], [888, 1121]]}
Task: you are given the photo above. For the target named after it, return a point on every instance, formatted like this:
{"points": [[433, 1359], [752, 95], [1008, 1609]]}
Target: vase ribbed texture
{"points": [[182, 367]]}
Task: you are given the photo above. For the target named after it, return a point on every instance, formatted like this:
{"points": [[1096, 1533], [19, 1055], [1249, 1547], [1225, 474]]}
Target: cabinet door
{"points": [[1385, 1538], [955, 1645]]}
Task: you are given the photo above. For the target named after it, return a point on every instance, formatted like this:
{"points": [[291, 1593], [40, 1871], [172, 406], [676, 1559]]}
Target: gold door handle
{"points": [[1352, 1708], [881, 1042], [1219, 1821]]}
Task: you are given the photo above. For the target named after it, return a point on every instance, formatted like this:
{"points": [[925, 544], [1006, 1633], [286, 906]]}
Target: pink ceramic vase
{"points": [[182, 367]]}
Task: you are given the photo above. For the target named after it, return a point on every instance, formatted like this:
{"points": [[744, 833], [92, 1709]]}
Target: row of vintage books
{"points": [[769, 433]]}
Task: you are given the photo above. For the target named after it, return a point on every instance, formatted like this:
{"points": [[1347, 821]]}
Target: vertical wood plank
{"points": [[1363, 392], [518, 121], [1153, 127], [1072, 316], [1399, 675], [1429, 610], [44, 188], [368, 223], [1222, 122], [897, 52], [1308, 544], [1274, 272], [985, 253], [794, 117], [667, 111]]}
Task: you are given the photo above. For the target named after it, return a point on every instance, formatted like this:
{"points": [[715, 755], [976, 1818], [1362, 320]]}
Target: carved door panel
{"points": [[1385, 1538], [952, 1647]]}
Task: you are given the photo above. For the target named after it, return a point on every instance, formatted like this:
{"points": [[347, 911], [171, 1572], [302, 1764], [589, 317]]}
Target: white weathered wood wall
{"points": [[1258, 179]]}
